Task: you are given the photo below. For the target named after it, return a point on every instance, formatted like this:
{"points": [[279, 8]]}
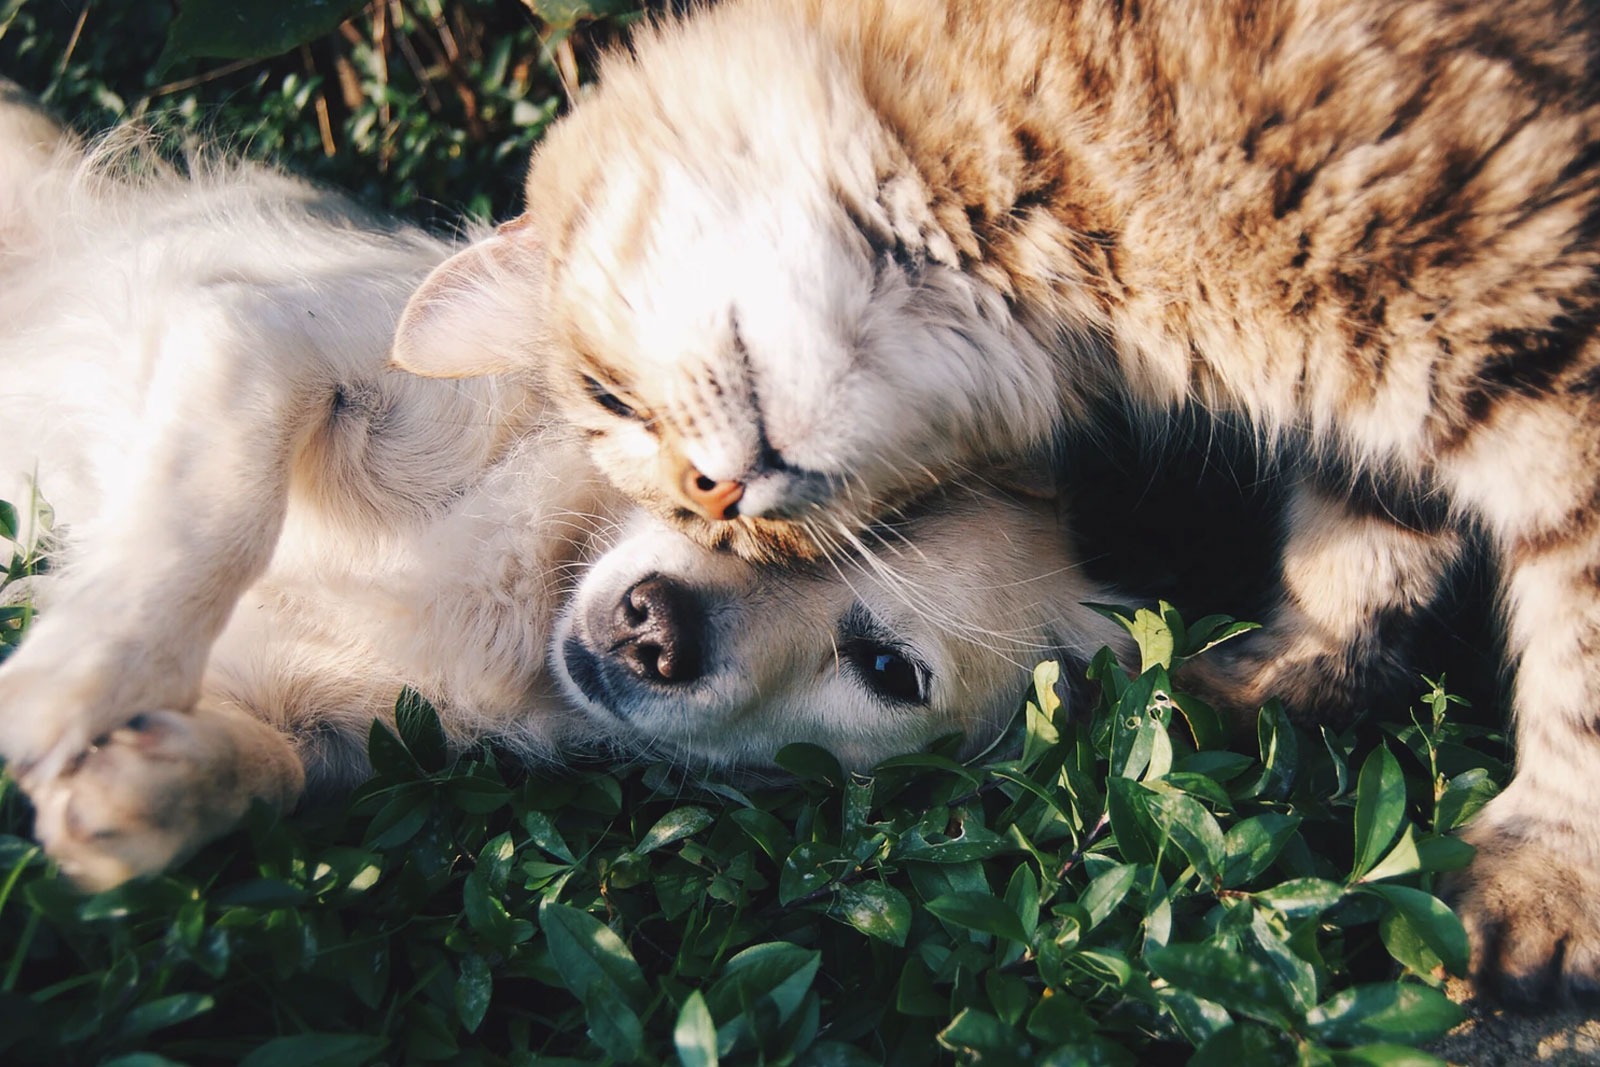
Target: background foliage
{"points": [[421, 106], [1100, 889]]}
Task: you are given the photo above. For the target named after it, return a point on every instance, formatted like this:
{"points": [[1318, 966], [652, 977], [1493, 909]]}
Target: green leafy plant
{"points": [[1103, 888]]}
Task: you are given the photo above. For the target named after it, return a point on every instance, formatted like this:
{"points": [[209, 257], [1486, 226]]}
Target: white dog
{"points": [[263, 532]]}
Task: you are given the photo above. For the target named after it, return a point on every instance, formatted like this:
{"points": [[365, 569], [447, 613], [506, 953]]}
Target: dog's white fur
{"points": [[264, 532]]}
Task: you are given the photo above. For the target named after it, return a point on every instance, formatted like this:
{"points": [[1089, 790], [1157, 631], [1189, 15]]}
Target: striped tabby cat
{"points": [[795, 261]]}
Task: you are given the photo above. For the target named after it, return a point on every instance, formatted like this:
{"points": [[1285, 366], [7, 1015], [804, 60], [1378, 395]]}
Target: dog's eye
{"points": [[607, 399], [888, 671]]}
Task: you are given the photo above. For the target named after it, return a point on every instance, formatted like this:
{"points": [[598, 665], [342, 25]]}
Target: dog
{"points": [[262, 532]]}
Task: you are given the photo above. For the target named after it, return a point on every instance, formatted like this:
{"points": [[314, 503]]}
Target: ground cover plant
{"points": [[1111, 886]]}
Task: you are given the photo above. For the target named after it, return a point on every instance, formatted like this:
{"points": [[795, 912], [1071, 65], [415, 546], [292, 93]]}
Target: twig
{"points": [[324, 120], [380, 44], [449, 58], [1083, 846], [566, 61], [72, 42], [200, 79], [418, 68]]}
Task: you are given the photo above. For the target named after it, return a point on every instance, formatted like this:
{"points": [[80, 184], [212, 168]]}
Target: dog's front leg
{"points": [[110, 675]]}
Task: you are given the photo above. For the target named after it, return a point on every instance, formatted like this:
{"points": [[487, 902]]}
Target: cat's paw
{"points": [[1319, 681], [150, 792], [1530, 902]]}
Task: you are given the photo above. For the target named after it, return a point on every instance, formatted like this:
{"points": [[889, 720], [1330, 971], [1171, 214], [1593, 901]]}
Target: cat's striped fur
{"points": [[820, 255]]}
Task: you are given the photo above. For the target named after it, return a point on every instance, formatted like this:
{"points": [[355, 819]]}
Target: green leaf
{"points": [[8, 521], [543, 832], [1244, 1045], [1403, 858], [1302, 896], [1382, 1055], [1251, 845], [591, 957], [1022, 896], [1106, 891], [388, 755], [809, 762], [915, 995], [163, 1012], [1136, 722], [1151, 632], [675, 825], [1280, 754], [315, 1050], [1439, 854], [764, 830], [1231, 979], [777, 970], [613, 1025], [564, 14], [875, 909], [695, 1035], [1401, 1013], [249, 29], [1042, 735], [1212, 630], [1197, 1017], [1060, 1019], [1192, 828], [979, 1032], [1433, 923], [1463, 797], [474, 987], [808, 868], [981, 912], [419, 726], [1380, 806], [476, 795], [1127, 804], [1205, 725]]}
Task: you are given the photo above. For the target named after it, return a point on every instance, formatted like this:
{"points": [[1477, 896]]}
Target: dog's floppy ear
{"points": [[478, 312]]}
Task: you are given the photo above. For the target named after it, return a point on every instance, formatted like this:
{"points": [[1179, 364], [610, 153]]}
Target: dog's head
{"points": [[698, 655]]}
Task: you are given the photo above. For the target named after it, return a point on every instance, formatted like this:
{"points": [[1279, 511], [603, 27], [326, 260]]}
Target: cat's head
{"points": [[733, 283], [698, 655]]}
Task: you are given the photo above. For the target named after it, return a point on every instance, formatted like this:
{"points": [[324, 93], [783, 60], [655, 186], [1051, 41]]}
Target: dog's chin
{"points": [[578, 675]]}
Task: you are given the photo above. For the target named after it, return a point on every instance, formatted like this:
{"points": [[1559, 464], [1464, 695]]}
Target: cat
{"points": [[793, 262], [262, 534]]}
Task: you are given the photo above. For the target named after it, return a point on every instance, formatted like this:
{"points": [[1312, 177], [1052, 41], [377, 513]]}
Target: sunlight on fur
{"points": [[264, 532]]}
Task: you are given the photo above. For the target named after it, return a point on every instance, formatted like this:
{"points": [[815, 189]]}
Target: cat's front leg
{"points": [[1530, 900], [1354, 576]]}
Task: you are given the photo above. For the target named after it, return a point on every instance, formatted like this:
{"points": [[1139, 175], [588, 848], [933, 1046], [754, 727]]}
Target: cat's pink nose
{"points": [[712, 499]]}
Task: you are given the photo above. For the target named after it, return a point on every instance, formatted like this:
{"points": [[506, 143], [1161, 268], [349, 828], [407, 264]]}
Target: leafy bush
{"points": [[1113, 888], [409, 103]]}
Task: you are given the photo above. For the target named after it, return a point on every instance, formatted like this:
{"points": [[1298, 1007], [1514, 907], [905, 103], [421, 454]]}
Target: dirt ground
{"points": [[1498, 1038]]}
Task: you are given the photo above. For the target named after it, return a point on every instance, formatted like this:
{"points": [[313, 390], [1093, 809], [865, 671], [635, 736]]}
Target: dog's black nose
{"points": [[657, 631]]}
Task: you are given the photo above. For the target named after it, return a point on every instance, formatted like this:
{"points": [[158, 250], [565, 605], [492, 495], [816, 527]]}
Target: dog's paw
{"points": [[148, 793], [1530, 902]]}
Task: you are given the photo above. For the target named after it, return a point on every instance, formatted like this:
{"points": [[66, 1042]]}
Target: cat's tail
{"points": [[35, 152]]}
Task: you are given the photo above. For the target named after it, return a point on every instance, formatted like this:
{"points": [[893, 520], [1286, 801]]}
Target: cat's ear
{"points": [[478, 312]]}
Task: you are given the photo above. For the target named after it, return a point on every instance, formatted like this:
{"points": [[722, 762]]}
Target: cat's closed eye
{"points": [[600, 394]]}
